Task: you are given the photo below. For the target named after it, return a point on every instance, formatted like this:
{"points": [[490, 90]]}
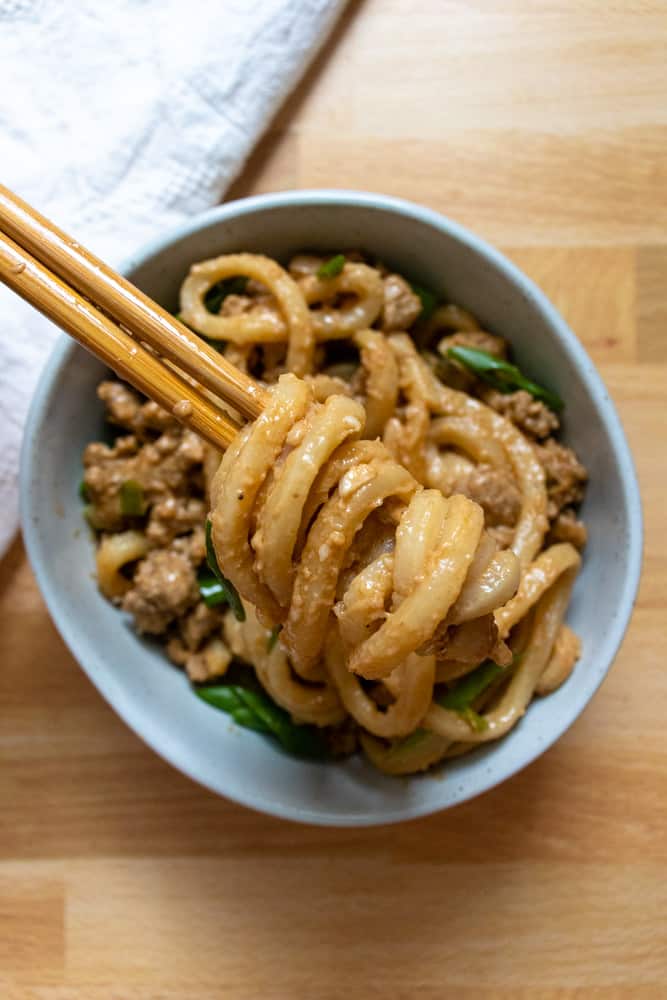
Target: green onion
{"points": [[467, 689], [332, 267], [227, 587], [502, 375], [463, 692], [459, 699], [428, 300], [273, 638], [211, 590], [222, 696], [132, 501], [83, 491], [476, 721], [218, 292], [255, 710], [246, 718], [409, 742], [303, 741]]}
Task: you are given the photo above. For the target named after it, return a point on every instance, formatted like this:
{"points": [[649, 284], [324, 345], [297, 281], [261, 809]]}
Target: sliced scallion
{"points": [[502, 375], [227, 587], [332, 267], [132, 500]]}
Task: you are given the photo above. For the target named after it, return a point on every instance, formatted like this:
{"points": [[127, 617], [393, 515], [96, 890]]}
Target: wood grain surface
{"points": [[543, 126]]}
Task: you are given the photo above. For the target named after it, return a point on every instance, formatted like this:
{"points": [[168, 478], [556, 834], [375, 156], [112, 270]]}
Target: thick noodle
{"points": [[294, 508], [339, 515]]}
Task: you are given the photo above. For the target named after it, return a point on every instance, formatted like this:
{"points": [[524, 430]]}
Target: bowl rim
{"points": [[318, 197]]}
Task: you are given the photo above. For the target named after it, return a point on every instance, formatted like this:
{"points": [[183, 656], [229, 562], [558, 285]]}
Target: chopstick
{"points": [[110, 316], [91, 328]]}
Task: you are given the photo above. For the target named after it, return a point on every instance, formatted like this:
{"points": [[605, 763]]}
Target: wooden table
{"points": [[543, 126]]}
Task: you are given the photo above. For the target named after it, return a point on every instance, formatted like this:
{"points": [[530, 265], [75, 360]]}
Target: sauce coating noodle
{"points": [[402, 533]]}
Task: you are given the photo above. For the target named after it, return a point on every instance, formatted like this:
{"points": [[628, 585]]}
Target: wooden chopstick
{"points": [[117, 297], [77, 316]]}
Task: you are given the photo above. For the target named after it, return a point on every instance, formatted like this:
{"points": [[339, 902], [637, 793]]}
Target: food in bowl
{"points": [[398, 531]]}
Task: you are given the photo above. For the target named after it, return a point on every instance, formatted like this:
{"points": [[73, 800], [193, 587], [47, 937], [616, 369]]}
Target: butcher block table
{"points": [[543, 127]]}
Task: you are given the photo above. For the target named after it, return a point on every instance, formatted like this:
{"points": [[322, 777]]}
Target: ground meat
{"points": [[480, 340], [494, 490], [192, 546], [125, 408], [174, 516], [122, 403], [164, 588], [530, 415], [401, 305], [568, 528], [210, 662], [165, 468], [105, 470], [503, 534], [305, 264], [206, 664], [566, 476], [199, 624], [235, 305], [152, 417]]}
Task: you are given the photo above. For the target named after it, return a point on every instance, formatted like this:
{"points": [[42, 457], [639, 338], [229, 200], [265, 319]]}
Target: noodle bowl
{"points": [[409, 531]]}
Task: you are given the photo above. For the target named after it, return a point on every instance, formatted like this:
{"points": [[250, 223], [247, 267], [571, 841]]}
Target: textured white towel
{"points": [[119, 119]]}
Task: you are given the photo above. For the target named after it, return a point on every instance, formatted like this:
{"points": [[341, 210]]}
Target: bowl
{"points": [[135, 676]]}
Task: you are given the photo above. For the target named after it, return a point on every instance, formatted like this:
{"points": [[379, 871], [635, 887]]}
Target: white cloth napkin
{"points": [[118, 120]]}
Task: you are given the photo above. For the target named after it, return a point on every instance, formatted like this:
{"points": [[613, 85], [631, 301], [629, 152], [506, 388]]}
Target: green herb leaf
{"points": [[332, 267], [218, 292], [255, 710], [302, 741], [467, 689], [273, 638], [132, 501], [428, 300], [210, 589], [83, 491], [476, 721], [502, 375], [243, 716], [222, 696], [230, 591]]}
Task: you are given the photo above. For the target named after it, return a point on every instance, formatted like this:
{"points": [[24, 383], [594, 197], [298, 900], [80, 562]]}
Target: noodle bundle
{"points": [[402, 536]]}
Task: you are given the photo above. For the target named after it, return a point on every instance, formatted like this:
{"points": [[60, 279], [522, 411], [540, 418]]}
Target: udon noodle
{"points": [[404, 538]]}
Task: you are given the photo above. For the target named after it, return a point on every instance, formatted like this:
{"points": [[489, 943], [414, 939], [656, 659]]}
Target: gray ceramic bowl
{"points": [[134, 676]]}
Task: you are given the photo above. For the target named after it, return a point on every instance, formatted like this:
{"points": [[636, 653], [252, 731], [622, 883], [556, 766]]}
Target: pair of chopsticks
{"points": [[133, 335]]}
